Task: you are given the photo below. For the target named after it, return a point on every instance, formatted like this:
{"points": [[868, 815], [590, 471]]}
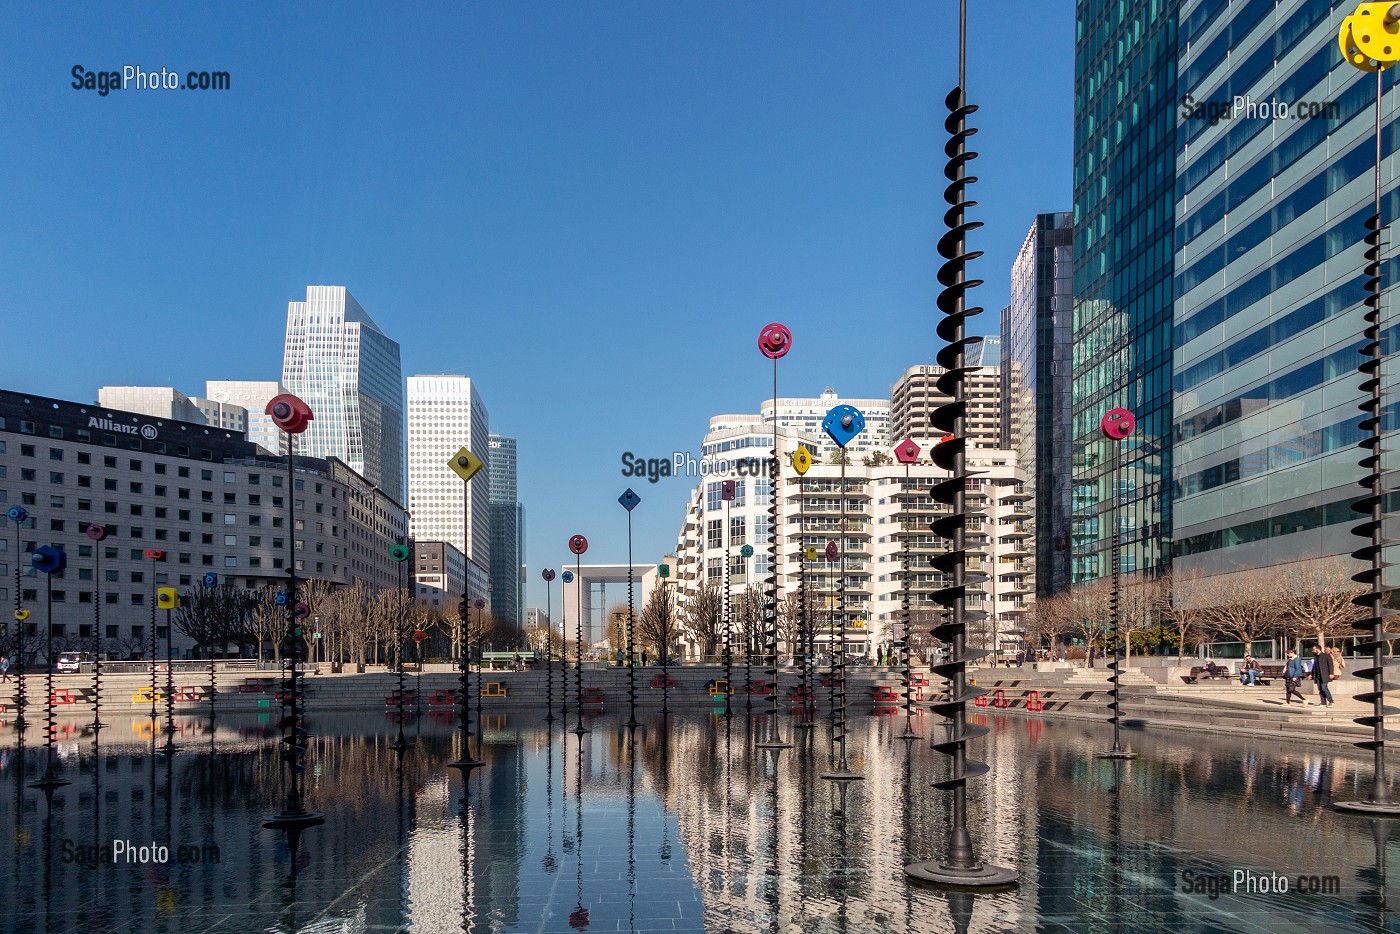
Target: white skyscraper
{"points": [[445, 413], [343, 366]]}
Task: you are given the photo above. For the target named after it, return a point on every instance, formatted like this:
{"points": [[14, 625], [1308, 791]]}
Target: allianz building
{"points": [[207, 497]]}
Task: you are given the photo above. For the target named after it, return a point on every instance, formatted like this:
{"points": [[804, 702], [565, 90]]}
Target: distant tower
{"points": [[445, 413], [344, 367]]}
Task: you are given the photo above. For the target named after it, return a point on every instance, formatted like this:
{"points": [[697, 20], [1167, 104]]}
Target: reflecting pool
{"points": [[680, 826]]}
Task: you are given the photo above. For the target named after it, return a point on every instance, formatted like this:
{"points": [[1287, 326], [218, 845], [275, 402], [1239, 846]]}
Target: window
{"points": [[160, 491], [137, 488], [109, 507], [182, 472], [134, 464], [55, 477], [230, 499], [82, 480], [230, 519], [230, 476], [254, 479], [55, 525], [183, 515], [230, 540], [137, 599], [714, 534], [137, 509], [29, 473], [109, 484], [230, 561], [84, 457], [55, 502], [160, 468], [206, 475], [55, 454], [109, 461]]}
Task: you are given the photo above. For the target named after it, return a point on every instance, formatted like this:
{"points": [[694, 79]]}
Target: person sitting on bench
{"points": [[1249, 672], [1211, 669]]}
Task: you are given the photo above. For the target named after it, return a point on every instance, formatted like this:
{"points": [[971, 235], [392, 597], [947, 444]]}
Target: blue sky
{"points": [[590, 208]]}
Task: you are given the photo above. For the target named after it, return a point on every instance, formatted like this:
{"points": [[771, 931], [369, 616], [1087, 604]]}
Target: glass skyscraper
{"points": [[507, 534], [1125, 94], [1267, 317], [344, 367], [1036, 348]]}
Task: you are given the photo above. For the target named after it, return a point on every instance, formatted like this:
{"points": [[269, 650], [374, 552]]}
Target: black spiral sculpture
{"points": [[548, 575], [49, 561], [1116, 426], [629, 500], [1372, 505], [774, 341], [293, 416], [907, 452], [97, 533], [841, 424], [726, 491], [806, 705], [960, 867]]}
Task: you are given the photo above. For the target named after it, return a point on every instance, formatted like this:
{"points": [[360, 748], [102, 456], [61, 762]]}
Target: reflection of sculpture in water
{"points": [[550, 863], [578, 918]]}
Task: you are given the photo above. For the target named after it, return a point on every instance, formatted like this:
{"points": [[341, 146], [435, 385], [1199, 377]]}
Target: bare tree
{"points": [[1048, 620], [268, 622], [1317, 601], [790, 621], [703, 619], [658, 626], [1088, 614], [1243, 605], [1179, 599], [215, 616]]}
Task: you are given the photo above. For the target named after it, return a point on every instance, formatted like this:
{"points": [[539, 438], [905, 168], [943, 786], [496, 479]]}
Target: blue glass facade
{"points": [[1267, 317], [1126, 101]]}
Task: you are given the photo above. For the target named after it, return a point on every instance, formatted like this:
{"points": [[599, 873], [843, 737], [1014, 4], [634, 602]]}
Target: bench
{"points": [[442, 697], [761, 687], [62, 696], [592, 696], [720, 688], [146, 696], [1200, 673], [498, 689], [663, 681], [883, 693], [409, 699], [254, 686], [189, 692]]}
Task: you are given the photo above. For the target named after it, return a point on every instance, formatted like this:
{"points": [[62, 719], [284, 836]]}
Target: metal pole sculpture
{"points": [[211, 581], [578, 545], [907, 453], [774, 341], [832, 555], [97, 533], [48, 560], [664, 571], [566, 578], [293, 416], [801, 463], [548, 575], [1370, 41], [1116, 426], [480, 604], [841, 425], [400, 555], [466, 465], [153, 555], [167, 599], [629, 501], [726, 493], [960, 867], [19, 515]]}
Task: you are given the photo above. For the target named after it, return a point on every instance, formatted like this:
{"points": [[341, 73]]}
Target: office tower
{"points": [[252, 396], [803, 417], [1124, 185], [987, 353], [445, 414], [1037, 344], [915, 397], [344, 367], [1268, 310], [507, 533], [155, 401]]}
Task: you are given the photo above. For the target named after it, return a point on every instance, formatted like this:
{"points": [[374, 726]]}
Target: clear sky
{"points": [[589, 207]]}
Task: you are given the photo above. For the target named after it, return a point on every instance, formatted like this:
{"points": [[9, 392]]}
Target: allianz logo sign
{"points": [[106, 424]]}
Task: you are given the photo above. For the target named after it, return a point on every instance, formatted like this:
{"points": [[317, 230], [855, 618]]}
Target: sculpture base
{"points": [[466, 765], [294, 820], [841, 775], [773, 744], [1120, 754], [580, 730], [981, 876], [401, 744], [51, 782], [1369, 808]]}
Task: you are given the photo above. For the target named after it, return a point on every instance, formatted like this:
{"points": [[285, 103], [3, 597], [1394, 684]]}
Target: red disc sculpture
{"points": [[578, 544], [1117, 424], [774, 340]]}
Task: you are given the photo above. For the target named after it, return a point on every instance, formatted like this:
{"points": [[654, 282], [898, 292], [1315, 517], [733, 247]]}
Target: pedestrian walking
{"points": [[4, 668], [1323, 672], [1293, 679]]}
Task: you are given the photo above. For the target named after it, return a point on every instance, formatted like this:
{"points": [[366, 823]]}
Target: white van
{"points": [[72, 661]]}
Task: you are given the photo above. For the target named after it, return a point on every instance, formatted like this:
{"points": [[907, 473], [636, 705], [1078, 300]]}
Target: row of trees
{"points": [[1180, 611], [358, 624]]}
